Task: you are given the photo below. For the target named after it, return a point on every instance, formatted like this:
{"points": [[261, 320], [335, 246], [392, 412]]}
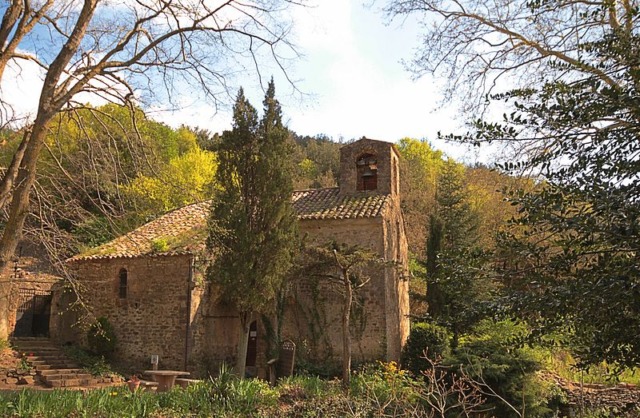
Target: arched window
{"points": [[367, 169], [122, 289]]}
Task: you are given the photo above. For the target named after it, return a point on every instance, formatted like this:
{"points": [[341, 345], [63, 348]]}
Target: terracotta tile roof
{"points": [[327, 204], [177, 232], [183, 231]]}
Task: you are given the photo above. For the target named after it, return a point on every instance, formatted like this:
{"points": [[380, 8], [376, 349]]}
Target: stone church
{"points": [[150, 283]]}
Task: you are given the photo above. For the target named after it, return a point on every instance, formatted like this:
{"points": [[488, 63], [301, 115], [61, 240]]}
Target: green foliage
{"points": [[96, 365], [317, 162], [108, 169], [4, 344], [385, 382], [102, 338], [489, 356], [24, 363], [186, 179], [459, 276], [574, 244], [420, 166], [425, 339], [159, 245], [306, 386], [562, 362], [240, 397], [252, 225], [108, 402]]}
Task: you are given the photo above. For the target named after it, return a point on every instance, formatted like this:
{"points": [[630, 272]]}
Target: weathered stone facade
{"points": [[158, 303], [28, 287]]}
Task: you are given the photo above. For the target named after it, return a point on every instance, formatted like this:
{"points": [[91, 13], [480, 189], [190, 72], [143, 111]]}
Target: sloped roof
{"points": [[183, 231]]}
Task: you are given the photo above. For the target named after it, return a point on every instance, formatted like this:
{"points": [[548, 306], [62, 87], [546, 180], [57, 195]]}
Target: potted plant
{"points": [[133, 383]]}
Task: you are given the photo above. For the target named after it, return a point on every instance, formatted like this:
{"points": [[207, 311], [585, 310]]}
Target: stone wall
{"points": [[313, 313], [387, 162], [20, 287], [396, 281], [152, 318]]}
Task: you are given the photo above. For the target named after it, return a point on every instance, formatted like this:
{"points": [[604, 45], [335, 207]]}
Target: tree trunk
{"points": [[243, 343], [18, 212], [346, 335], [6, 184], [19, 208]]}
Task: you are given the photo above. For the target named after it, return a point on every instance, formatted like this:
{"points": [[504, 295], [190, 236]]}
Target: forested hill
{"points": [[107, 171]]}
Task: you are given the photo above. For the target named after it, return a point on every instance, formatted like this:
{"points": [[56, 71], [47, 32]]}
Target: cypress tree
{"points": [[252, 227]]}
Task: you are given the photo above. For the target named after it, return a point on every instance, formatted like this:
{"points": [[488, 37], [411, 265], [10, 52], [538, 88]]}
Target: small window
{"points": [[367, 169], [122, 290]]}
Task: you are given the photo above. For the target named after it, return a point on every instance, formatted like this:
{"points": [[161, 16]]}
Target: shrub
{"points": [[424, 336], [159, 245], [385, 383], [489, 357], [240, 397], [101, 338], [96, 365]]}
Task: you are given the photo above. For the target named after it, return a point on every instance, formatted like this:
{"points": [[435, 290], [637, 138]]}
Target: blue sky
{"points": [[354, 83], [350, 79]]}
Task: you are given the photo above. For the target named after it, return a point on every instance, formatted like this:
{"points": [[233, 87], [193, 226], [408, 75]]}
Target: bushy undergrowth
{"points": [[94, 364], [561, 362], [424, 336], [102, 338], [240, 397]]}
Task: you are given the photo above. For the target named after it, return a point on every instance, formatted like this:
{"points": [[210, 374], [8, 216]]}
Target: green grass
{"points": [[563, 363], [108, 402]]}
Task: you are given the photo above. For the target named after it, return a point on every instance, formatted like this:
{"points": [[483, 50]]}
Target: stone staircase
{"points": [[52, 366]]}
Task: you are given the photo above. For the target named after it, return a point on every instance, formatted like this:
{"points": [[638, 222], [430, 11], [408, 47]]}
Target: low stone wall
{"points": [[621, 397]]}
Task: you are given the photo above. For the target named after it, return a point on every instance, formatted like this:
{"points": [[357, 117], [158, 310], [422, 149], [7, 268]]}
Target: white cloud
{"points": [[20, 88], [350, 70]]}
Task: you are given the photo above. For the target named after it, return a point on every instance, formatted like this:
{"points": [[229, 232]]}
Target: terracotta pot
{"points": [[133, 386]]}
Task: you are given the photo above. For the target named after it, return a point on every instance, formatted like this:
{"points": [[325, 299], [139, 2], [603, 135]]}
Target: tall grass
{"points": [[108, 402]]}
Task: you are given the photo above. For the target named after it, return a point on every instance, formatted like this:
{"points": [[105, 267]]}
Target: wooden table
{"points": [[165, 378]]}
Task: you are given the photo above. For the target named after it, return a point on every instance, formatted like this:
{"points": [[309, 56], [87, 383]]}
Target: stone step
{"points": [[52, 365], [67, 376], [57, 366], [38, 350], [31, 341], [63, 376], [72, 382], [52, 372], [46, 359]]}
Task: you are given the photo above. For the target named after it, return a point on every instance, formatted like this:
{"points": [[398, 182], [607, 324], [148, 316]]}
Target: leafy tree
{"points": [[252, 230], [118, 52], [186, 179], [420, 166], [318, 161], [575, 117], [458, 278], [506, 372], [345, 267]]}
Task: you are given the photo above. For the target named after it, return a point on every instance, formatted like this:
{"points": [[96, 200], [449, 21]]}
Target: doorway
{"points": [[33, 313], [252, 346]]}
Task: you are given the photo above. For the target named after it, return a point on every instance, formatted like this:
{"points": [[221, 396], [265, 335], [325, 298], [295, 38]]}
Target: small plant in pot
{"points": [[133, 383]]}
